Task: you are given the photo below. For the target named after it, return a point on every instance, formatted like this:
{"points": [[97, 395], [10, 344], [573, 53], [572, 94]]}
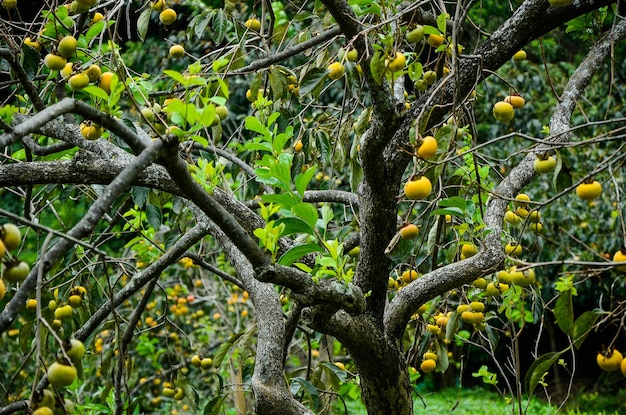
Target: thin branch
{"points": [[287, 53]]}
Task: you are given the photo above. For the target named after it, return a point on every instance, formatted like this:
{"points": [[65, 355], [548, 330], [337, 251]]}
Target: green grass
{"points": [[486, 402]]}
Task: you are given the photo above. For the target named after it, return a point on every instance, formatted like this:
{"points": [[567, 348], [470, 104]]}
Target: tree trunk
{"points": [[385, 383]]}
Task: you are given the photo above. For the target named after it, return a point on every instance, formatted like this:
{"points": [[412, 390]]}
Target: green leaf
{"points": [[139, 195], [97, 28], [564, 312], [222, 351], [441, 22], [306, 212], [142, 23], [96, 92], [258, 146], [302, 180], [278, 83], [215, 405], [442, 354], [299, 383], [281, 139], [583, 325], [177, 76], [377, 67], [253, 124], [294, 225], [287, 200], [312, 80], [399, 249], [450, 211], [430, 30], [26, 336], [154, 216], [455, 201], [538, 369], [335, 374], [219, 26], [297, 252]]}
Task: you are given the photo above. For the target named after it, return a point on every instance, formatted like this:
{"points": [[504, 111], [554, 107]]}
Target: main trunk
{"points": [[385, 384]]}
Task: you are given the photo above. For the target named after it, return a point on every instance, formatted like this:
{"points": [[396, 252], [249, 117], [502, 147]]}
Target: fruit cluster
{"points": [[61, 373], [15, 271], [521, 213]]}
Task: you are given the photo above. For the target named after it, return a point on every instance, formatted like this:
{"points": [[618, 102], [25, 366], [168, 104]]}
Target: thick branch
{"points": [[271, 392], [214, 210], [300, 282], [68, 105]]}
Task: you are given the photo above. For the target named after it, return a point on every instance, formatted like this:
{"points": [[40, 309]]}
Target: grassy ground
{"points": [[485, 402]]}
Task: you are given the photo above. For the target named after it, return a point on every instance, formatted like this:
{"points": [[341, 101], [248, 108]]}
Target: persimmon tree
{"points": [[345, 174]]}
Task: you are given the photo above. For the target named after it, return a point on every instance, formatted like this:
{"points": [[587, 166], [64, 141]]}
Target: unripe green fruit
{"points": [[54, 62], [61, 375], [44, 410], [167, 17], [180, 394], [545, 165], [148, 114], [63, 312], [67, 46], [206, 363], [430, 77], [416, 35], [75, 350], [11, 236], [77, 8], [221, 112], [352, 55], [9, 4], [93, 73], [503, 111], [78, 81], [177, 51], [14, 273], [47, 399]]}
